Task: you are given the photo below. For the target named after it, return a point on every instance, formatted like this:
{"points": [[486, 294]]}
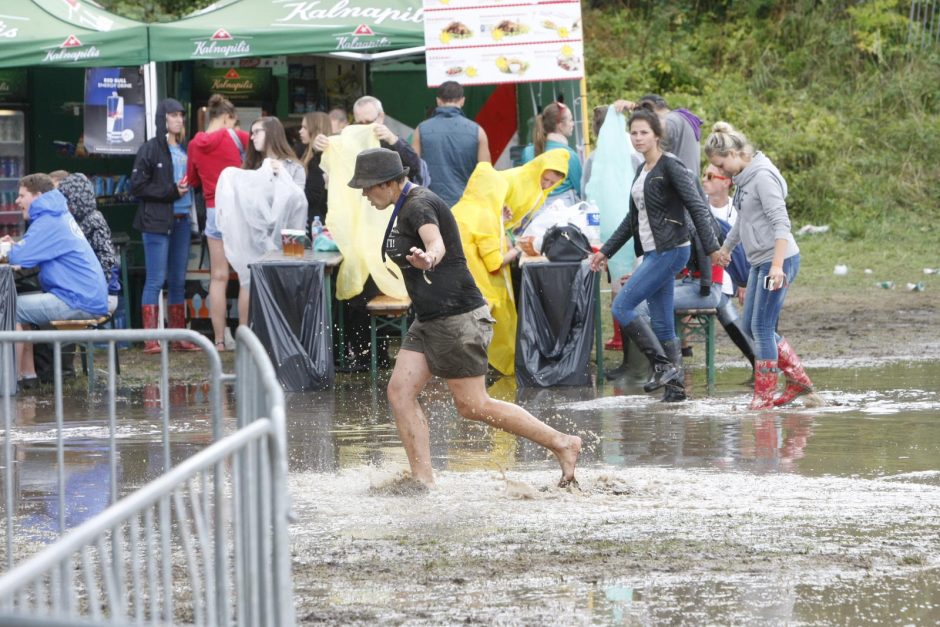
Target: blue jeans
{"points": [[762, 307], [166, 258], [40, 309], [653, 282]]}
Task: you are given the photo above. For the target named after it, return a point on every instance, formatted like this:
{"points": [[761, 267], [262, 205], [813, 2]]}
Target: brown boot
{"points": [[765, 384], [177, 317], [798, 383], [150, 315]]}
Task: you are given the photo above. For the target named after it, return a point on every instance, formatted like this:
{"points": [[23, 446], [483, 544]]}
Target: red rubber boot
{"points": [[765, 384], [798, 383], [615, 343], [177, 315], [150, 315]]}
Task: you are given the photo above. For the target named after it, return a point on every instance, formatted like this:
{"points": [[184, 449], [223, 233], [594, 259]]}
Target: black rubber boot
{"points": [[621, 370], [675, 390], [642, 335], [729, 320]]}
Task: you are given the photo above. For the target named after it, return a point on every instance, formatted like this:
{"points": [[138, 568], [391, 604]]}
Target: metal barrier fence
{"points": [[206, 543], [110, 338]]}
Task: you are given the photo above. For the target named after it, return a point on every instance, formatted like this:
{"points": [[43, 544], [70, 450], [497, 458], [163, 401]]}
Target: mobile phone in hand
{"points": [[769, 283], [184, 181]]}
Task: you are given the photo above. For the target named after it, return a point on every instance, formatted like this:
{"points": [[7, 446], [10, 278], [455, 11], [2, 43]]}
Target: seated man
{"points": [[73, 284]]}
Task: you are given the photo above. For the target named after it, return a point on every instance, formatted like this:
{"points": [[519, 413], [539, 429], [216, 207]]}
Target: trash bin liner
{"points": [[556, 324], [288, 313], [7, 323]]}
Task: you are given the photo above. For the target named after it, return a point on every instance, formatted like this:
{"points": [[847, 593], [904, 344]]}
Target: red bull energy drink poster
{"points": [[114, 110]]}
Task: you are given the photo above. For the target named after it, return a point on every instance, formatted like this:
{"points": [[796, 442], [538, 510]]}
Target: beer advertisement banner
{"points": [[485, 43], [114, 110], [238, 84]]}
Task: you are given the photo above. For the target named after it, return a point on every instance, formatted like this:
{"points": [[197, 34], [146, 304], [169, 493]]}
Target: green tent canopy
{"points": [[257, 28], [76, 33]]}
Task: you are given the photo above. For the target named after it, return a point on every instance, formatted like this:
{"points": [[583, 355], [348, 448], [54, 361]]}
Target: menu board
{"points": [[486, 42]]}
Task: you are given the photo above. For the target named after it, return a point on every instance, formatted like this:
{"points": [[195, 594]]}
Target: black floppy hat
{"points": [[375, 166]]}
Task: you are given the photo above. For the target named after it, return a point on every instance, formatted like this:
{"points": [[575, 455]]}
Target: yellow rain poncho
{"points": [[357, 227], [479, 215]]}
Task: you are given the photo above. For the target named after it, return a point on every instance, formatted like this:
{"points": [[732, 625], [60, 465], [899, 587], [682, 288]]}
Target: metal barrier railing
{"points": [[206, 543], [111, 338]]}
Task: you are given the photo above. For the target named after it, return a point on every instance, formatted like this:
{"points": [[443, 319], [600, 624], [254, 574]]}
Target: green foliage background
{"points": [[831, 91]]}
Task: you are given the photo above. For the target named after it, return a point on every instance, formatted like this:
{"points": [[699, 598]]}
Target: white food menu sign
{"points": [[486, 42]]}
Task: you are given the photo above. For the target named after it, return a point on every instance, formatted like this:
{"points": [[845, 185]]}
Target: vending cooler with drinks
{"points": [[12, 168]]}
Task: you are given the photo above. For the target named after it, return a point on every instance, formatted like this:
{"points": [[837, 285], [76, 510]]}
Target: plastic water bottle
{"points": [[316, 227]]}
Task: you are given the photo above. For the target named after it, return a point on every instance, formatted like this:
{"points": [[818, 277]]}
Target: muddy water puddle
{"points": [[700, 512]]}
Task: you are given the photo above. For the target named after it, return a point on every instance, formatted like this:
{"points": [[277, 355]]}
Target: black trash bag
{"points": [[288, 313], [565, 243], [556, 324]]}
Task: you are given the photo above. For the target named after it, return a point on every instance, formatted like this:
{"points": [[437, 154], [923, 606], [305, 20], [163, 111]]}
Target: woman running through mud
{"points": [[763, 226], [453, 329]]}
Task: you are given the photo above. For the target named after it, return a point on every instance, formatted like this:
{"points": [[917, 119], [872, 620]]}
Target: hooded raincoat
{"points": [[68, 267], [479, 215]]}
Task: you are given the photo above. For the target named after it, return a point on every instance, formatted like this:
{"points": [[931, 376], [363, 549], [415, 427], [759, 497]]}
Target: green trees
{"points": [[831, 91]]}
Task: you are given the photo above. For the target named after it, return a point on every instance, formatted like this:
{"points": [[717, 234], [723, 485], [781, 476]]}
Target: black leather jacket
{"points": [[152, 182], [672, 196]]}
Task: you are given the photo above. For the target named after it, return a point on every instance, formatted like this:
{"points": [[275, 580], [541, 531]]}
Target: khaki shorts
{"points": [[454, 346]]}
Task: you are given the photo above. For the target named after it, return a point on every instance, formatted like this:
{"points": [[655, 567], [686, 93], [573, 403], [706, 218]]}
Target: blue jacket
{"points": [[68, 267]]}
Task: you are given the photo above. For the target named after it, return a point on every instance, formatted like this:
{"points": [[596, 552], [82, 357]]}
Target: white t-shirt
{"points": [[646, 233], [729, 214]]}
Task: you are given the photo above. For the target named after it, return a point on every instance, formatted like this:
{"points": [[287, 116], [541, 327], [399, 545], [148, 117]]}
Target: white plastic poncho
{"points": [[252, 206], [357, 227], [611, 174]]}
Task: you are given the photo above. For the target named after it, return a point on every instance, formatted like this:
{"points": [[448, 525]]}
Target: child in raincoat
{"points": [[492, 204]]}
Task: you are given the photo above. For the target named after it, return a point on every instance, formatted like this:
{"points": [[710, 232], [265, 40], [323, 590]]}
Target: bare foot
{"points": [[567, 456]]}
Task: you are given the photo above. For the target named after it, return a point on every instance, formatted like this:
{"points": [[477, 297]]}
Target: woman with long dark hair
{"points": [[314, 124], [663, 195]]}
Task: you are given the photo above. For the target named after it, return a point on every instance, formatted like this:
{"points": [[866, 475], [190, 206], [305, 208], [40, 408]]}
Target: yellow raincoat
{"points": [[479, 215], [357, 227]]}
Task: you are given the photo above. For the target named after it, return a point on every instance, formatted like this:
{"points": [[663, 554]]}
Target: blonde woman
{"points": [[763, 227]]}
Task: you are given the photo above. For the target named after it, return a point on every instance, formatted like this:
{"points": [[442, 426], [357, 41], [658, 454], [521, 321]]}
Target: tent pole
{"points": [[585, 124], [150, 97]]}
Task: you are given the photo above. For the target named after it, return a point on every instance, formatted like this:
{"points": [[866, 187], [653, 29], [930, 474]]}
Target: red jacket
{"points": [[209, 154]]}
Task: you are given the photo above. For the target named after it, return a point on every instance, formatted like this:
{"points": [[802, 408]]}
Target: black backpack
{"points": [[565, 243]]}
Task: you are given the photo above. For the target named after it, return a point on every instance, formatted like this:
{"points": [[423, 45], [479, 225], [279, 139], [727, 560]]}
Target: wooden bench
{"points": [[386, 312], [701, 322], [87, 350]]}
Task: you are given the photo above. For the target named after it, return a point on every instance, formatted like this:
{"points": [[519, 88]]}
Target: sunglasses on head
{"points": [[708, 176]]}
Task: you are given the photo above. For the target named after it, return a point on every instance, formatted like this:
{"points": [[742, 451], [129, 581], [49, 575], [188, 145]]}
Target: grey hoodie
{"points": [[760, 198]]}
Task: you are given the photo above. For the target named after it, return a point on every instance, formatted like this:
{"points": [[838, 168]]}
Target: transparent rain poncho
{"points": [[252, 207]]}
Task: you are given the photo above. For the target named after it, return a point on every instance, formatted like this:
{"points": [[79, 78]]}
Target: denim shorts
{"points": [[212, 229], [454, 346]]}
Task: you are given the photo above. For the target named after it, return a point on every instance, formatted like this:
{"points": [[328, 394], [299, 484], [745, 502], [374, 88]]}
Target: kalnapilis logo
{"points": [[71, 50], [8, 31], [221, 44], [362, 38], [232, 82]]}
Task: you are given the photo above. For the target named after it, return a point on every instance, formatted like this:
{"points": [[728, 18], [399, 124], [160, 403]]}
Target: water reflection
{"points": [[880, 424]]}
